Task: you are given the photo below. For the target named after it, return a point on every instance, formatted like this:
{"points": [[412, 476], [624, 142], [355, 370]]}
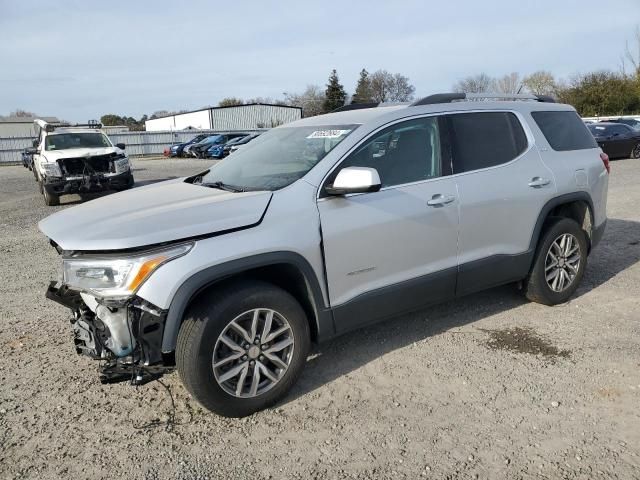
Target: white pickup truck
{"points": [[76, 159]]}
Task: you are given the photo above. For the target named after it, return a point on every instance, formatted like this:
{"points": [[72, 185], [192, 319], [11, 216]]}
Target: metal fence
{"points": [[137, 143]]}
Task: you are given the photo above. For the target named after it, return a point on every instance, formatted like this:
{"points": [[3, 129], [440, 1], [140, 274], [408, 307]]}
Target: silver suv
{"points": [[325, 225]]}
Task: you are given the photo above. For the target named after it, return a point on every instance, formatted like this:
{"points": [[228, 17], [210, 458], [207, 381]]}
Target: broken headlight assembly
{"points": [[121, 163], [51, 169], [116, 277]]}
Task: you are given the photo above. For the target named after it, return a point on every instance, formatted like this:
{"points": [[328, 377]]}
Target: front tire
{"points": [[559, 264], [50, 199], [635, 153], [241, 348]]}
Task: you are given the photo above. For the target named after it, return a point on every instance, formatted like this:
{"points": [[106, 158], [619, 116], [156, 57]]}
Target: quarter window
{"points": [[402, 153], [485, 139], [564, 130]]}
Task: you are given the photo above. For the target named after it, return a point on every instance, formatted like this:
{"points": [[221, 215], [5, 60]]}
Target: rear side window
{"points": [[485, 139], [564, 130]]}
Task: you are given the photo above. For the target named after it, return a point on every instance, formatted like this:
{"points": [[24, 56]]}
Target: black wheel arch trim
{"points": [[204, 278], [553, 203]]}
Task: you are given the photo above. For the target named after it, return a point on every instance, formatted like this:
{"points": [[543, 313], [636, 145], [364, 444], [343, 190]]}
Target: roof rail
{"points": [[451, 97], [51, 126], [355, 106], [439, 98]]}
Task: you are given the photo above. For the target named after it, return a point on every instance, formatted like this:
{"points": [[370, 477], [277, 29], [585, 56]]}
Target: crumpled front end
{"points": [[86, 174], [127, 338]]}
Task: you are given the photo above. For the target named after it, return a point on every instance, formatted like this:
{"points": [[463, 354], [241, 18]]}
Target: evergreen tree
{"points": [[334, 94], [363, 89]]}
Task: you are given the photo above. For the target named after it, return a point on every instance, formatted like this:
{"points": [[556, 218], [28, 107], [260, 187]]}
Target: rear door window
{"points": [[564, 130], [485, 139]]}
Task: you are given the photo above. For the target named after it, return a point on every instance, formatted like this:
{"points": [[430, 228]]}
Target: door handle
{"points": [[438, 200], [537, 182]]}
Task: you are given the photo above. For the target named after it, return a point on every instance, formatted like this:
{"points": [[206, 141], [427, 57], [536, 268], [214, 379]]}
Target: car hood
{"points": [[158, 213], [53, 155]]}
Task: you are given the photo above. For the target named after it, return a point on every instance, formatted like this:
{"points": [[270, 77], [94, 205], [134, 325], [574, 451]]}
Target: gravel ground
{"points": [[489, 386]]}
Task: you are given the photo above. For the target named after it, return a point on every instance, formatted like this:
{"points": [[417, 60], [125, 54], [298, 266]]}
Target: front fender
{"points": [[195, 284]]}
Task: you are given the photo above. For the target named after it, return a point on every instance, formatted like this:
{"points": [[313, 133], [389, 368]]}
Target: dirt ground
{"points": [[489, 386]]}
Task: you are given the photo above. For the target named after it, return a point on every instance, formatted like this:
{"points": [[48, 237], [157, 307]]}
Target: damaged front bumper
{"points": [[127, 338], [93, 182]]}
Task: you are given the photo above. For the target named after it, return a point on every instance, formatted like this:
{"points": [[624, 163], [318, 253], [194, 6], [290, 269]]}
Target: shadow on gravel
{"points": [[618, 250]]}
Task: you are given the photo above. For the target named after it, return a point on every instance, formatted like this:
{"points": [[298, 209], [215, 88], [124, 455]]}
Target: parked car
{"points": [[199, 150], [632, 122], [76, 159], [323, 226], [241, 143], [222, 150], [178, 149], [617, 140], [27, 159]]}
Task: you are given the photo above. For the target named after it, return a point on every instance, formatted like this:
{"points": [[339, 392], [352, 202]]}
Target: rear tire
{"points": [[215, 316], [559, 264]]}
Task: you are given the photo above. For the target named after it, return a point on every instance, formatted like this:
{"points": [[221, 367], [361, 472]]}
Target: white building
{"points": [[238, 117], [20, 127]]}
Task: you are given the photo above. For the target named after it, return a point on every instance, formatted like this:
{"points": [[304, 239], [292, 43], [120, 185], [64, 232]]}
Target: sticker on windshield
{"points": [[328, 133]]}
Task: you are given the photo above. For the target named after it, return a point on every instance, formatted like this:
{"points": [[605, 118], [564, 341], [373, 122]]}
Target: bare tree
{"points": [[22, 114], [508, 84], [311, 100], [388, 87], [481, 83], [541, 83]]}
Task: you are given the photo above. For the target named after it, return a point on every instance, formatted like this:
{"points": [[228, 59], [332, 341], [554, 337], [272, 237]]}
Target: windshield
{"points": [[66, 141], [277, 158]]}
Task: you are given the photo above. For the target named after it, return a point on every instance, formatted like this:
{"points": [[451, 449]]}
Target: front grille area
{"points": [[88, 165]]}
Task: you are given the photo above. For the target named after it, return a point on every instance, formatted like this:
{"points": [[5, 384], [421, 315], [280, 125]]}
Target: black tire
{"points": [[635, 153], [50, 199], [127, 186], [536, 287], [205, 321]]}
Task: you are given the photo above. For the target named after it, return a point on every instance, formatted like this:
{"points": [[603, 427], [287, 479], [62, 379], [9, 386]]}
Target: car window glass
{"points": [[564, 130], [485, 139], [402, 153]]}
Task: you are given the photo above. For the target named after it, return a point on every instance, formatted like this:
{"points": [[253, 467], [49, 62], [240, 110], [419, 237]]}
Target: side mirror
{"points": [[121, 146], [35, 143], [31, 150], [355, 180]]}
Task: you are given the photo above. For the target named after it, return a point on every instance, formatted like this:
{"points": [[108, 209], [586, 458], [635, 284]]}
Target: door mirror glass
{"points": [[355, 180]]}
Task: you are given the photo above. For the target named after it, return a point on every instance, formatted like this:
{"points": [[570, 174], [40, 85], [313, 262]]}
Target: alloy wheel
{"points": [[253, 353], [562, 262]]}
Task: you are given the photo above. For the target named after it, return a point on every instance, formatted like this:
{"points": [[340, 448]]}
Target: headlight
{"points": [[122, 164], [116, 276], [51, 169]]}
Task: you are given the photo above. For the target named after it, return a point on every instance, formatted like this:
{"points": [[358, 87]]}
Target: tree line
{"points": [[380, 86]]}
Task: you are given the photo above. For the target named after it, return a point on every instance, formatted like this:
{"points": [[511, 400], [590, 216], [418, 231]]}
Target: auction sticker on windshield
{"points": [[328, 133]]}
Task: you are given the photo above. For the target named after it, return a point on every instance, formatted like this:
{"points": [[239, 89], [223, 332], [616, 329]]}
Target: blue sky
{"points": [[81, 59]]}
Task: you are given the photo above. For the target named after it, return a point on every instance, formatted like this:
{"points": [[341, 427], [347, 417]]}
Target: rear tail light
{"points": [[605, 159]]}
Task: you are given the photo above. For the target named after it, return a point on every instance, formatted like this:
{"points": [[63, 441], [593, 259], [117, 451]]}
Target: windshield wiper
{"points": [[223, 186]]}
